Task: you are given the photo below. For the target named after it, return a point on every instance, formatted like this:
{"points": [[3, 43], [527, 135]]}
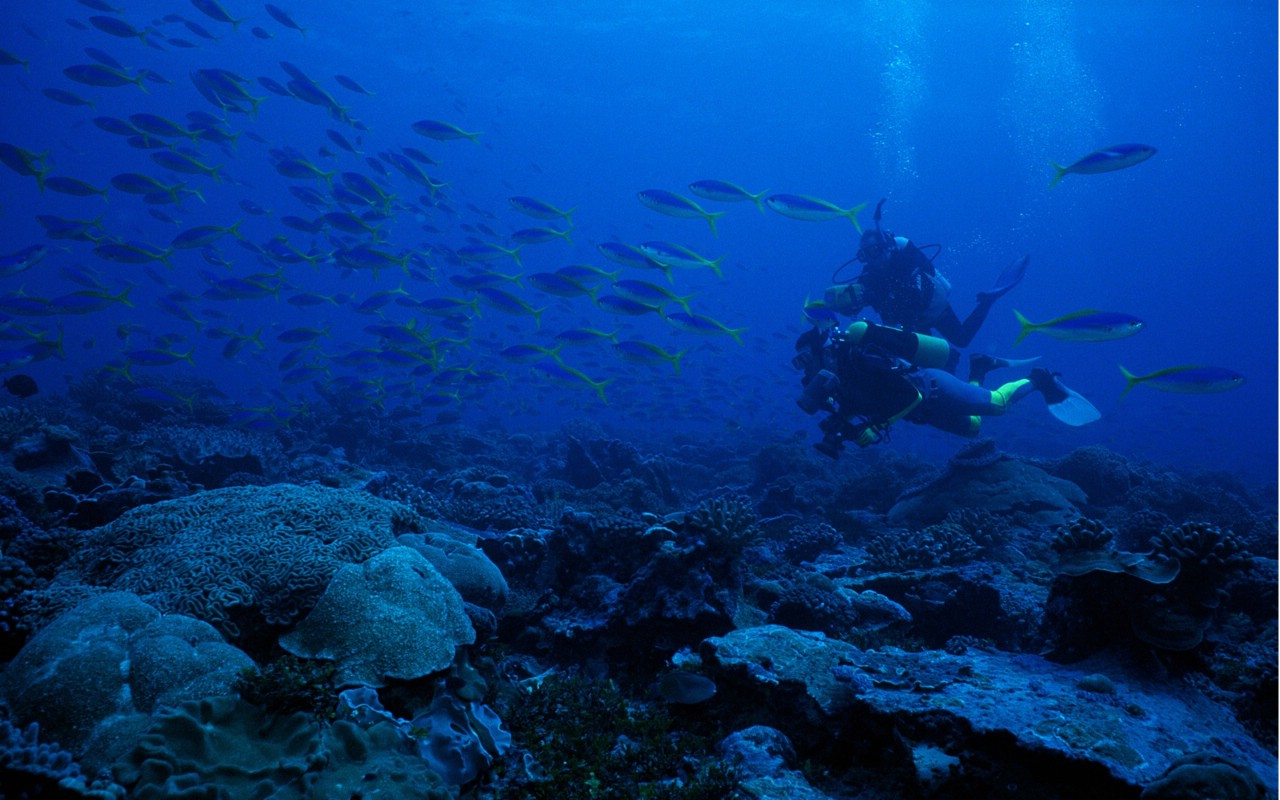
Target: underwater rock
{"points": [[984, 479], [225, 747], [980, 703]]}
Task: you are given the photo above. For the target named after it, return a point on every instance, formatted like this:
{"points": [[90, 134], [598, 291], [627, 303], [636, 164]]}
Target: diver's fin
{"points": [[1069, 407], [1011, 277], [1006, 363]]}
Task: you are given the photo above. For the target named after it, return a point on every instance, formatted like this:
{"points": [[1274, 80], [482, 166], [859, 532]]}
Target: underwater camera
{"points": [[817, 393]]}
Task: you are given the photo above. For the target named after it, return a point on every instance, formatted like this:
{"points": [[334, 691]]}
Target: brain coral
{"points": [[394, 616], [240, 556], [93, 677]]}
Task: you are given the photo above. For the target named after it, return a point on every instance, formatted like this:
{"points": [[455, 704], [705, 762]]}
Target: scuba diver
{"points": [[870, 376], [900, 283]]}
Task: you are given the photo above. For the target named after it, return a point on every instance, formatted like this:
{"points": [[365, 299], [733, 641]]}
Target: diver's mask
{"points": [[876, 247]]}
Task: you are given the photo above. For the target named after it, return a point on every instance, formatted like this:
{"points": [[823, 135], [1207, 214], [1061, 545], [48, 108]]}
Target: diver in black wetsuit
{"points": [[870, 376], [899, 282]]}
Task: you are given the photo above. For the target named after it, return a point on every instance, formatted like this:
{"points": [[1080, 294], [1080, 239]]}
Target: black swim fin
{"points": [[1011, 277], [1069, 407]]}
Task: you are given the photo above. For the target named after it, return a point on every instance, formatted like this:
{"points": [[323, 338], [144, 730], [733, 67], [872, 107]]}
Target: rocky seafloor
{"points": [[359, 606]]}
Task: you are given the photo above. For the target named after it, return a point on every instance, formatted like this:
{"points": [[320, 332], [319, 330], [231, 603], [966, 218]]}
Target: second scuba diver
{"points": [[869, 376]]}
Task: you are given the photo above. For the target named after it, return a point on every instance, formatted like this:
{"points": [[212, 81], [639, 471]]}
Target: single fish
{"points": [[132, 253], [1108, 159], [442, 131], [203, 236], [21, 385], [185, 164], [510, 304], [156, 357], [66, 98], [22, 260], [533, 207], [585, 272], [813, 209], [581, 336], [639, 352], [214, 11], [25, 162], [103, 77], [529, 353], [1086, 325], [1188, 379], [118, 27], [557, 284], [488, 252], [8, 59], [279, 15], [673, 255], [350, 83], [674, 205], [159, 126], [625, 306], [73, 187], [703, 326], [540, 235], [723, 192], [649, 294], [627, 255], [685, 688], [561, 373]]}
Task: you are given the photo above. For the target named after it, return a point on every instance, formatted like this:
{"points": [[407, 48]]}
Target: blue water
{"points": [[952, 112]]}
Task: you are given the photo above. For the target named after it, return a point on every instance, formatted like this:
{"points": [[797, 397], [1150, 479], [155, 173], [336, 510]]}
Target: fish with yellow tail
{"points": [[1086, 325], [813, 209], [1186, 379]]}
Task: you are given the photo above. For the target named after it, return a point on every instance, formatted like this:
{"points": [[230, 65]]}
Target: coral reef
{"points": [[247, 560], [95, 675]]}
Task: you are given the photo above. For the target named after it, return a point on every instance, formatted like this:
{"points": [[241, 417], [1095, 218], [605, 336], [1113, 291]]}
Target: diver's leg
{"points": [[969, 328], [953, 396]]}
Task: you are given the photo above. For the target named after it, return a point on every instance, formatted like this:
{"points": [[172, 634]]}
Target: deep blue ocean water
{"points": [[951, 111]]}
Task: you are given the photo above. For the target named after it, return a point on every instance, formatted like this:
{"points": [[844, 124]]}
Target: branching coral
{"points": [[1082, 534], [727, 524], [806, 607], [807, 542], [940, 545], [1200, 546]]}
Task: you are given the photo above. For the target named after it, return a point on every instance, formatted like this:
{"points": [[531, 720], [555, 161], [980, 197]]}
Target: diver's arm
{"points": [[845, 298], [960, 333]]}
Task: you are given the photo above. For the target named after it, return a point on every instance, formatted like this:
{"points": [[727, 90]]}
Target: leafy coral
{"points": [[291, 684], [585, 739]]}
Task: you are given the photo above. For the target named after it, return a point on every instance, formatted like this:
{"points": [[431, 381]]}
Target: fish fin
{"points": [[711, 220], [1062, 172], [853, 216], [1131, 381], [1027, 327], [1010, 278], [759, 199], [675, 359]]}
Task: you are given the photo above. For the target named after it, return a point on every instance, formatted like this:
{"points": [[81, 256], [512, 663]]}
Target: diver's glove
{"points": [[869, 434]]}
